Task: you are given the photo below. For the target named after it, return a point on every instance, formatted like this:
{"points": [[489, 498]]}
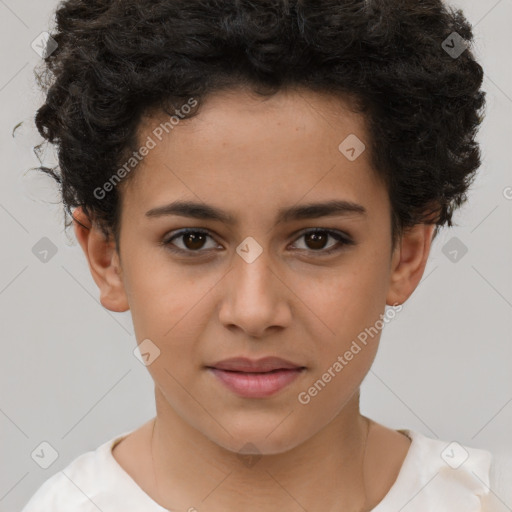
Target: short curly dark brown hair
{"points": [[117, 60]]}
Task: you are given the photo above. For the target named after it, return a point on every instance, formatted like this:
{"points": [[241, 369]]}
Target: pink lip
{"points": [[256, 385]]}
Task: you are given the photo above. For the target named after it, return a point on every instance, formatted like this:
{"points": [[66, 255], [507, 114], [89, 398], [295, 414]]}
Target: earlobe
{"points": [[408, 263], [103, 261]]}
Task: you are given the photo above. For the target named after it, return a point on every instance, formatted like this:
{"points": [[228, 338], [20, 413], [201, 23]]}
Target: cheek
{"points": [[166, 301], [348, 304], [345, 301]]}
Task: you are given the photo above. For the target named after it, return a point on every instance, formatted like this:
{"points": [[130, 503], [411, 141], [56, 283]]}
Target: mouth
{"points": [[262, 365], [256, 384], [260, 372]]}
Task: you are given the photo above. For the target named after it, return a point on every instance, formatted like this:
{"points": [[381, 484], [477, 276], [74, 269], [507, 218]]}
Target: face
{"points": [[261, 284]]}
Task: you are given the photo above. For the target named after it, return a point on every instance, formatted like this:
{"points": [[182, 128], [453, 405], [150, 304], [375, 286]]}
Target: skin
{"points": [[251, 156]]}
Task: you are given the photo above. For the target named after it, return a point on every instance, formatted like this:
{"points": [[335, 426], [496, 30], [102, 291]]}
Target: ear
{"points": [[408, 262], [103, 262]]}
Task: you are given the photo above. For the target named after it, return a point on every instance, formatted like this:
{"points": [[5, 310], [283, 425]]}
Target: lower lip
{"points": [[256, 385]]}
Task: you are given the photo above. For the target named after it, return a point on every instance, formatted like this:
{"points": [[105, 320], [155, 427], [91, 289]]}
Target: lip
{"points": [[264, 364], [256, 385], [256, 378]]}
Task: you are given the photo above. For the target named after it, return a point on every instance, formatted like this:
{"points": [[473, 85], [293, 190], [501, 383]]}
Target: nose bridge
{"points": [[254, 292], [252, 274]]}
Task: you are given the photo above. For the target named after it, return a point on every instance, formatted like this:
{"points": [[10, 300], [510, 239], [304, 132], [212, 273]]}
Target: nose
{"points": [[256, 299]]}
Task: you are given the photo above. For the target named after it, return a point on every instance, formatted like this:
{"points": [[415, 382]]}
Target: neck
{"points": [[325, 472]]}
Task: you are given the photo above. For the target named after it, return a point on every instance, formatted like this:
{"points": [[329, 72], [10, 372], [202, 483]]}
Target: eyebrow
{"points": [[306, 211]]}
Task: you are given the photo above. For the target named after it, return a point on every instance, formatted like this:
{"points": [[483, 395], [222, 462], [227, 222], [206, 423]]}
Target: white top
{"points": [[428, 481]]}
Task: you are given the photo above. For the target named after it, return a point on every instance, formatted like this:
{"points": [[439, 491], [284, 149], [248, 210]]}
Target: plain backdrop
{"points": [[68, 374]]}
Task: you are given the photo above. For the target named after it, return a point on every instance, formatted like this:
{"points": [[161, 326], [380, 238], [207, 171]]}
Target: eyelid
{"points": [[342, 234]]}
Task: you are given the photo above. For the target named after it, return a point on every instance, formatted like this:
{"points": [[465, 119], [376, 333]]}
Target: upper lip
{"points": [[265, 364]]}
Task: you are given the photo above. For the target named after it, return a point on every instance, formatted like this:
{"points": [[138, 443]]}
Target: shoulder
{"points": [[499, 498], [79, 485], [450, 474]]}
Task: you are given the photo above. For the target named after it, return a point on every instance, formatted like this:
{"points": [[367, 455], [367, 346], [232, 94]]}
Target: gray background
{"points": [[68, 374]]}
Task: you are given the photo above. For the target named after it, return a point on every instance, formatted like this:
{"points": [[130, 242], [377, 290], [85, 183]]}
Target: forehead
{"points": [[255, 154]]}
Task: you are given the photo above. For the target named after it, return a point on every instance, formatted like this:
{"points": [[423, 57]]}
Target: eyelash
{"points": [[343, 240]]}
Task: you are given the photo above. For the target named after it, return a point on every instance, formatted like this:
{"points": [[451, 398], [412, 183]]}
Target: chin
{"points": [[259, 439]]}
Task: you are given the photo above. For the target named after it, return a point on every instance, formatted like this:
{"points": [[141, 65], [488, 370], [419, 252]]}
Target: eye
{"points": [[317, 238], [193, 240]]}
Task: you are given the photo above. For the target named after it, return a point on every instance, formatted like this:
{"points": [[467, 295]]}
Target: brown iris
{"points": [[196, 240], [318, 238]]}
